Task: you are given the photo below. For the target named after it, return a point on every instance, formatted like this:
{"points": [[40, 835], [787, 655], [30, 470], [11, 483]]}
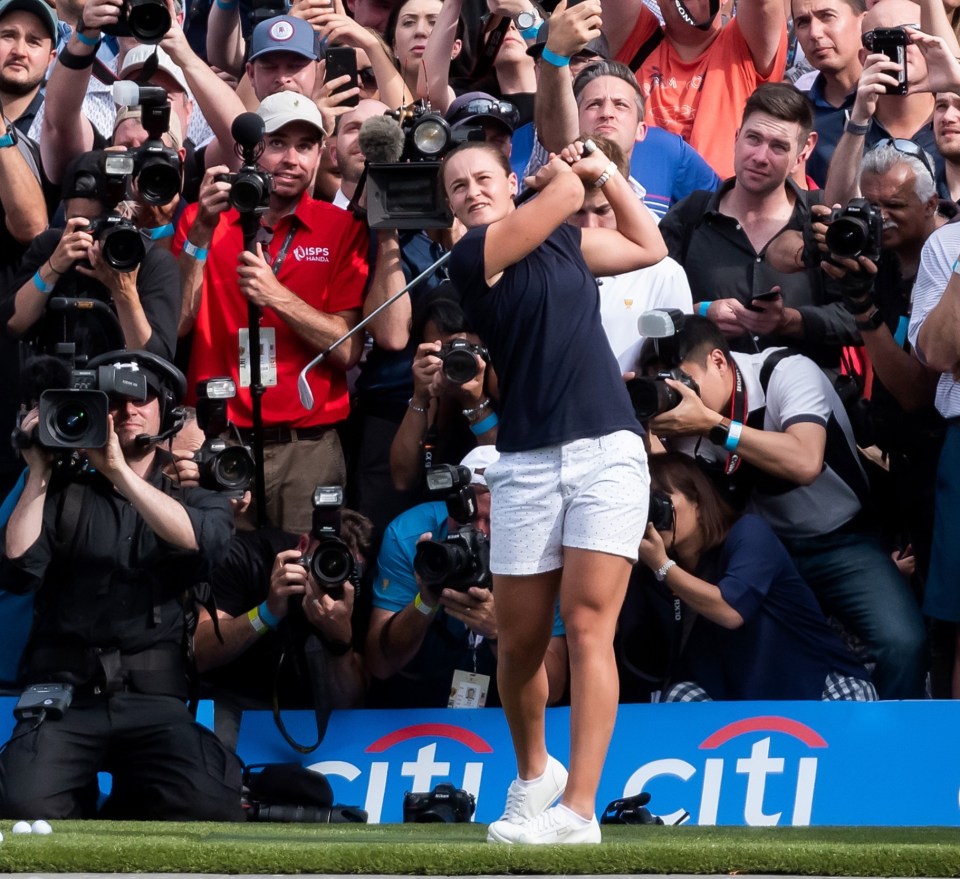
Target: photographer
{"points": [[425, 641], [111, 553], [269, 602], [71, 262], [757, 630], [877, 115], [881, 238], [310, 298], [776, 432], [445, 404]]}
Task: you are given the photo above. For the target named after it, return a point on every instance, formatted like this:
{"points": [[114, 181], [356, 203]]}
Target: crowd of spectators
{"points": [[801, 540]]}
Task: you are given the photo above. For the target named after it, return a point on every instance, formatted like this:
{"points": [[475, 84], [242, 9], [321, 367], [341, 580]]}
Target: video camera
{"points": [[223, 467], [444, 804], [145, 20], [157, 169], [75, 416], [331, 562], [403, 150], [462, 559], [855, 230], [458, 359]]}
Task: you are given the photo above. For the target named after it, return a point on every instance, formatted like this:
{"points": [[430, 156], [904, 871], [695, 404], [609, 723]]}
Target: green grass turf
{"points": [[461, 850]]}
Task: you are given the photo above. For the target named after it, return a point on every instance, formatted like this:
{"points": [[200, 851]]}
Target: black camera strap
{"points": [[282, 253]]}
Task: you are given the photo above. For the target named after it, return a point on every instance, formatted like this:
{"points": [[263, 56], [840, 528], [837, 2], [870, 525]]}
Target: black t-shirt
{"points": [[158, 284], [559, 380]]}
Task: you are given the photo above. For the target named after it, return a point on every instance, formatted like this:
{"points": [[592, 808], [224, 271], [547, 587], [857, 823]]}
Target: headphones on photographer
{"points": [[171, 387]]}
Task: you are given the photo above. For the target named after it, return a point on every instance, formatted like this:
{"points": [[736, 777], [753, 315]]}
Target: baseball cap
{"points": [[478, 460], [286, 107], [597, 46], [40, 9], [83, 176], [473, 106], [138, 56], [284, 33]]}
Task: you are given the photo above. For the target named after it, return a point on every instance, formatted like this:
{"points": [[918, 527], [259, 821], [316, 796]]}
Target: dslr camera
{"points": [[224, 467], [157, 169], [459, 360], [444, 804], [250, 189], [652, 396], [121, 243], [660, 512], [462, 559], [331, 563], [855, 230], [75, 417], [145, 20]]}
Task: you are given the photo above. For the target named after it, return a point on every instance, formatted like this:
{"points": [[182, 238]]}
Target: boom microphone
{"points": [[381, 140], [247, 130]]}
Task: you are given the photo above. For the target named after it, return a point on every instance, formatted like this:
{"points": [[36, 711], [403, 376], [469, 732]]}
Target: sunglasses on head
{"points": [[908, 148]]}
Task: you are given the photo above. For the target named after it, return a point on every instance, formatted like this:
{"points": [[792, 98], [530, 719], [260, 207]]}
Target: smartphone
{"points": [[342, 61], [769, 296], [53, 699], [892, 42]]}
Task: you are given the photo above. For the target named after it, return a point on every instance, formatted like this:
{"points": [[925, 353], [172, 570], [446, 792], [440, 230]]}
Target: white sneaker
{"points": [[528, 799], [555, 826]]}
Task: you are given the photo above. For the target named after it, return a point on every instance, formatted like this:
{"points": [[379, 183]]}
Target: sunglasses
{"points": [[908, 148], [367, 77]]}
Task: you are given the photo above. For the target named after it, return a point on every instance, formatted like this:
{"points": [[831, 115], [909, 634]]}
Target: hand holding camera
{"points": [[214, 197], [39, 459], [943, 69], [474, 608], [74, 245], [690, 417], [652, 551], [288, 577], [331, 615]]}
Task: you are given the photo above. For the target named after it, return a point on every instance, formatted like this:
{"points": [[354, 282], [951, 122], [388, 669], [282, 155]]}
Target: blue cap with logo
{"points": [[284, 34]]}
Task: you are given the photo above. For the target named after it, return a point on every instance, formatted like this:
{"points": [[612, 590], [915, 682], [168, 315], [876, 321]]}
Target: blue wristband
{"points": [[703, 308], [87, 41], [268, 618], [555, 59], [42, 285], [733, 436], [488, 423], [191, 249], [531, 32]]}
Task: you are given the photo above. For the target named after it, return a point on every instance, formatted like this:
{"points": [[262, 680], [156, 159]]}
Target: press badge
{"points": [[268, 357], [469, 690]]}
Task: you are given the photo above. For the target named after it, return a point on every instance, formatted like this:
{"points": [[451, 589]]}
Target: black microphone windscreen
{"points": [[43, 372], [247, 129], [381, 140]]}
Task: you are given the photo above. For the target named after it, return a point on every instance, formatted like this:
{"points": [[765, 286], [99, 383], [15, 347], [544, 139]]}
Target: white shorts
{"points": [[584, 494]]}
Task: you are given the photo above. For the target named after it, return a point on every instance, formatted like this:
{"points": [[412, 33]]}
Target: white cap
{"points": [[283, 108], [478, 460], [134, 60]]}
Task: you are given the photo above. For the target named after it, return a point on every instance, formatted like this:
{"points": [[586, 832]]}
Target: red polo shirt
{"points": [[325, 265]]}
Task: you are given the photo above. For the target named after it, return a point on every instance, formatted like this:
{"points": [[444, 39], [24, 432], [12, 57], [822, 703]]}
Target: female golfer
{"points": [[569, 493]]}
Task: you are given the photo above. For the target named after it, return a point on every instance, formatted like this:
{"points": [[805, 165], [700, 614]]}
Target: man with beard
{"points": [[28, 31], [946, 132]]}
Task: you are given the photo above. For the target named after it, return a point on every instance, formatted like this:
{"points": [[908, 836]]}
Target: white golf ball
{"points": [[22, 827], [42, 827]]}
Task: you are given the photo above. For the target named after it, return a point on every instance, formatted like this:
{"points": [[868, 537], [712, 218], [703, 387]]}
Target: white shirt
{"points": [[623, 298], [936, 268]]}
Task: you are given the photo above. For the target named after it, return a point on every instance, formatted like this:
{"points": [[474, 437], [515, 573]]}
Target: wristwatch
{"points": [[10, 138], [857, 129], [528, 23], [719, 432], [871, 322]]}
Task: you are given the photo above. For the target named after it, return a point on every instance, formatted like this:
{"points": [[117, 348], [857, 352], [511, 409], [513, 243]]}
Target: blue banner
{"points": [[733, 763]]}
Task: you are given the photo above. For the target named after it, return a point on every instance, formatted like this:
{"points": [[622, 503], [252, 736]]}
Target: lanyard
{"points": [[738, 412], [158, 232], [282, 253]]}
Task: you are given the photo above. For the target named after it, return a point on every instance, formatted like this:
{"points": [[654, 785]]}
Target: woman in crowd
{"points": [[409, 27], [569, 492], [758, 631]]}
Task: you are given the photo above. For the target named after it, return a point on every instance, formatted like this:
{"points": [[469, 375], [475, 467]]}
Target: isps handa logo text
{"points": [[311, 254]]}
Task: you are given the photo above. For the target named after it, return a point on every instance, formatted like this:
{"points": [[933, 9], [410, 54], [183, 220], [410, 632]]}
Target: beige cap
{"points": [[283, 108]]}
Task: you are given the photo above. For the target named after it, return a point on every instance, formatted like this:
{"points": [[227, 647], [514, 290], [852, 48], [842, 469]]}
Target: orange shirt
{"points": [[701, 100]]}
